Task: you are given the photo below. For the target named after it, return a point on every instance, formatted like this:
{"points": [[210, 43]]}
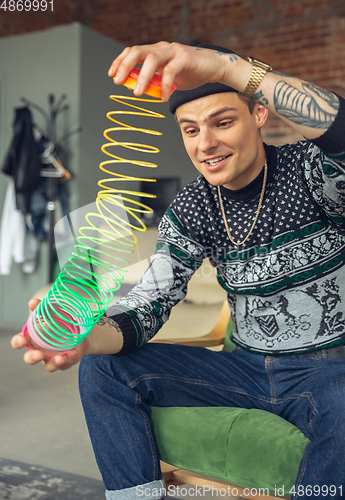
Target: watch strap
{"points": [[258, 72]]}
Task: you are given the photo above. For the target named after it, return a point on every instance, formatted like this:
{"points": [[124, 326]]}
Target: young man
{"points": [[272, 222]]}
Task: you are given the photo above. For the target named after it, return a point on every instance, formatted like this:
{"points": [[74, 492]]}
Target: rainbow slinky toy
{"points": [[79, 296]]}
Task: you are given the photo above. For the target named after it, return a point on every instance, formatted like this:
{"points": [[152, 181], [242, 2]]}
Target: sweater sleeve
{"points": [[142, 312], [325, 169]]}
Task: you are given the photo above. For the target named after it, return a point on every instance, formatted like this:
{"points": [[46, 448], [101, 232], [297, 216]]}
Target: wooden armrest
{"points": [[215, 337], [180, 476]]}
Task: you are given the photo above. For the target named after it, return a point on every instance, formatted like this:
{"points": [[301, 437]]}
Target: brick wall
{"points": [[305, 38]]}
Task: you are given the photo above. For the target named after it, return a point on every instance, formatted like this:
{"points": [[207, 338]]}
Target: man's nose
{"points": [[207, 141]]}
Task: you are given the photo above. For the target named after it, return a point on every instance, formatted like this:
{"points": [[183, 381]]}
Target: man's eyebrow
{"points": [[212, 115], [185, 120], [220, 111]]}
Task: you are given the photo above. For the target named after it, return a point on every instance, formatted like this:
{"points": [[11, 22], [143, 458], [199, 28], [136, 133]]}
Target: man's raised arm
{"points": [[307, 108]]}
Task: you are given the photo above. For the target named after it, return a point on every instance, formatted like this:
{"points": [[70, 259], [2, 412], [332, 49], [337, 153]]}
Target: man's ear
{"points": [[261, 114]]}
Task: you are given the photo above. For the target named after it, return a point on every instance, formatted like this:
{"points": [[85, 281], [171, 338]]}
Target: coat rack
{"points": [[50, 157]]}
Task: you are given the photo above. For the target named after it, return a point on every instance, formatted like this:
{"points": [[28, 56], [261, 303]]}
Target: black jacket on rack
{"points": [[23, 159]]}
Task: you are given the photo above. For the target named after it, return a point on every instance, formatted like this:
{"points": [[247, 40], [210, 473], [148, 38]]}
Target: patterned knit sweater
{"points": [[286, 283]]}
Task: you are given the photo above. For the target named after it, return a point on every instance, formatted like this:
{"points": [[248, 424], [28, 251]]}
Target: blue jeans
{"points": [[118, 390]]}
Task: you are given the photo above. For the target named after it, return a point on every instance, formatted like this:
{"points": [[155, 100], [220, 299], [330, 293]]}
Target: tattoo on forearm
{"points": [[313, 107], [104, 320], [232, 57], [260, 98]]}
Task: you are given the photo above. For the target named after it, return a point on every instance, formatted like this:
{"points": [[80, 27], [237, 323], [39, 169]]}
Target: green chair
{"points": [[246, 452]]}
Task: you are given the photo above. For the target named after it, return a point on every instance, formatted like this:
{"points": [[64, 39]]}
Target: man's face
{"points": [[223, 139]]}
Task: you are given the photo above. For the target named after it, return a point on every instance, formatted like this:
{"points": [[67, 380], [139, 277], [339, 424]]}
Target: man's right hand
{"points": [[58, 362], [104, 338], [187, 67]]}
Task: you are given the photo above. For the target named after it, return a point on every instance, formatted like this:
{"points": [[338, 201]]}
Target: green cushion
{"points": [[250, 448]]}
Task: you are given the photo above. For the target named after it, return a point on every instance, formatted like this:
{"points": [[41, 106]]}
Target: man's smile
{"points": [[214, 161]]}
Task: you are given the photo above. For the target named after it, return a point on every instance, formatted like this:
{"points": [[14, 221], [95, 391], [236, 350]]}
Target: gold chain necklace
{"points": [[257, 210]]}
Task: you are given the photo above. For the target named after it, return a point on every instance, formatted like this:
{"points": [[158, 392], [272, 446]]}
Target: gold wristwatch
{"points": [[258, 72]]}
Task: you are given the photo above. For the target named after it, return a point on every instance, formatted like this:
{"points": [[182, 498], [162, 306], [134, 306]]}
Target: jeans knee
{"points": [[100, 373], [87, 365], [89, 376]]}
